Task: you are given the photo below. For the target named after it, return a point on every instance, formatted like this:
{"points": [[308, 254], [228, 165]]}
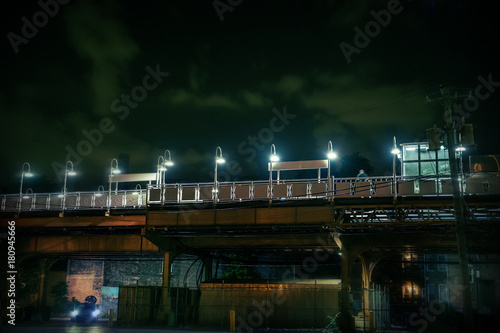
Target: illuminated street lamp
{"points": [[99, 191], [67, 172], [99, 194], [331, 156], [163, 163], [218, 160], [113, 170], [459, 151], [272, 158], [138, 193], [138, 190], [395, 152], [168, 161], [160, 174], [24, 173], [160, 168], [29, 192]]}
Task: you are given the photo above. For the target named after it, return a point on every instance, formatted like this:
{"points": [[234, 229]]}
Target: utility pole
{"points": [[458, 206]]}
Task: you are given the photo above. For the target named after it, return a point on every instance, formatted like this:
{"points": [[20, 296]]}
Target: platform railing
{"points": [[74, 201], [240, 191]]}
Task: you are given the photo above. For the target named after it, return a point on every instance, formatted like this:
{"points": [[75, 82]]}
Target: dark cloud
{"points": [[99, 36]]}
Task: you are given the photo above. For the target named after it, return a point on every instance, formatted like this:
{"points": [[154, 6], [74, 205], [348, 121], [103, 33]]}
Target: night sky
{"points": [[98, 80]]}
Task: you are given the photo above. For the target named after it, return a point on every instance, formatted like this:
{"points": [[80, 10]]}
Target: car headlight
{"points": [[96, 313], [74, 313]]}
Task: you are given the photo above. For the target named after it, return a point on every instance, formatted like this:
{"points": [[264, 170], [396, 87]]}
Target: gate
{"points": [[378, 303]]}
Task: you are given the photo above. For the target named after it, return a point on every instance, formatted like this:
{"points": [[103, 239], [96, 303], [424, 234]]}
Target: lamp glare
{"points": [[332, 155]]}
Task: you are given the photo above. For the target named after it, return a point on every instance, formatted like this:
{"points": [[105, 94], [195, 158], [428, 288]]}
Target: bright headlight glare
{"points": [[74, 313], [95, 313]]}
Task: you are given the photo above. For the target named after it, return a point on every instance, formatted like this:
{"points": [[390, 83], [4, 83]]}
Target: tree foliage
{"points": [[60, 293]]}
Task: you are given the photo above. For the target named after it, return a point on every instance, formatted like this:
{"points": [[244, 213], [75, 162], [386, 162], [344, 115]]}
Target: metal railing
{"points": [[74, 201], [240, 191]]}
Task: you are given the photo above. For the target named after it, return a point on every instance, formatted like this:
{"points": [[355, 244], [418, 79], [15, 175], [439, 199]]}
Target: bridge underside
{"points": [[425, 224]]}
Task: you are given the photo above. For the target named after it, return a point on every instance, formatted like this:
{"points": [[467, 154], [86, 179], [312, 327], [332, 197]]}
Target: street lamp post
{"points": [[67, 173], [272, 158], [137, 190], [168, 162], [160, 174], [331, 156], [395, 151], [160, 168], [112, 170], [459, 155], [459, 210], [29, 192], [97, 194], [24, 173], [99, 191], [161, 171], [218, 160]]}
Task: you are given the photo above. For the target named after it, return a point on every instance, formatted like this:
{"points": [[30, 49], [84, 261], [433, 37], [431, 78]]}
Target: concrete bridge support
{"points": [[165, 314], [45, 266], [368, 263], [349, 255]]}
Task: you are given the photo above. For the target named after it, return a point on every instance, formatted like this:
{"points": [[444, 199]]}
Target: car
{"points": [[87, 312]]}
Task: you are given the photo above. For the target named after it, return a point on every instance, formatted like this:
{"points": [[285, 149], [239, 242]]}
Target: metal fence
{"points": [[256, 305], [378, 303], [370, 187]]}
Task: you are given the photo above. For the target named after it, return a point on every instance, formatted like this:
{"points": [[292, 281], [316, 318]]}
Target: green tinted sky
{"points": [[226, 77]]}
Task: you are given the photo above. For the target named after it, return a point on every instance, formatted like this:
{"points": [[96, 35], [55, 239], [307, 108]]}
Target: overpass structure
{"points": [[363, 219], [398, 188]]}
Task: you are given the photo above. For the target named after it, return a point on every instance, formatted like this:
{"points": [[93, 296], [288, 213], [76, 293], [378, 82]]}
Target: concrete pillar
{"points": [[366, 278], [41, 301], [45, 264], [111, 317], [368, 263], [347, 320], [165, 304], [349, 255]]}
